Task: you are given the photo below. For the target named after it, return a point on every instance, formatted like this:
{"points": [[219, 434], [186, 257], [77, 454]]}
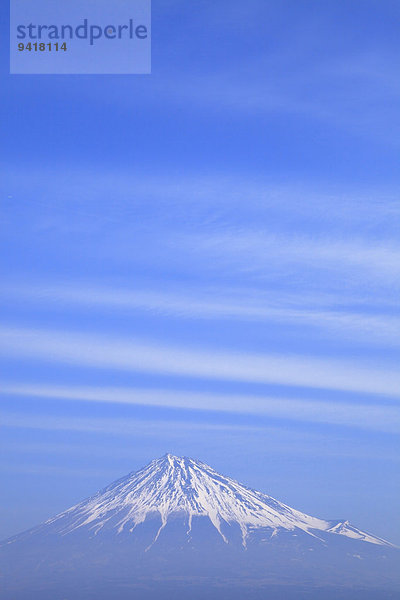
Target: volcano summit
{"points": [[179, 528]]}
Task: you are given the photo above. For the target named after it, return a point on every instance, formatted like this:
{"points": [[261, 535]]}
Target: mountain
{"points": [[179, 528]]}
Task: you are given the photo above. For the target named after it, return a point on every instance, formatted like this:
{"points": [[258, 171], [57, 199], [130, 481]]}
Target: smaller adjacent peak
{"points": [[345, 528], [338, 524]]}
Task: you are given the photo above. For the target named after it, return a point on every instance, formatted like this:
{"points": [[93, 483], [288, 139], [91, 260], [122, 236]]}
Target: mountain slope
{"points": [[178, 519], [171, 485]]}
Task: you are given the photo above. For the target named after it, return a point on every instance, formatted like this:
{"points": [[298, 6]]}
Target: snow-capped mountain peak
{"points": [[171, 486]]}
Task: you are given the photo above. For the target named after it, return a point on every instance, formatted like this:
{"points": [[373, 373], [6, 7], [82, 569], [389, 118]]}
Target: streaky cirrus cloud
{"points": [[224, 303], [262, 252], [129, 354], [365, 416]]}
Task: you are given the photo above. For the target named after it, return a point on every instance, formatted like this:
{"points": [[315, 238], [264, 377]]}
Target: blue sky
{"points": [[206, 261]]}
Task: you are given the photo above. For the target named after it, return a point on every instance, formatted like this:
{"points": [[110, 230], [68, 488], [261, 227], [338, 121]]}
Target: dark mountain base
{"points": [[196, 565]]}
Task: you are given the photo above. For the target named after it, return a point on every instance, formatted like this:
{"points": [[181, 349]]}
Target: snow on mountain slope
{"points": [[171, 486]]}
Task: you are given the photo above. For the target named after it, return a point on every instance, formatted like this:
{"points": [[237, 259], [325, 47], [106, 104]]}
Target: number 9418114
{"points": [[42, 47]]}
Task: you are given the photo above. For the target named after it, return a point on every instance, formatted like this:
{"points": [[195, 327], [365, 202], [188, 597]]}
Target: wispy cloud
{"points": [[268, 441], [254, 441], [315, 236], [320, 89], [223, 303], [57, 470], [78, 191], [115, 425], [259, 251], [137, 355], [365, 416]]}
